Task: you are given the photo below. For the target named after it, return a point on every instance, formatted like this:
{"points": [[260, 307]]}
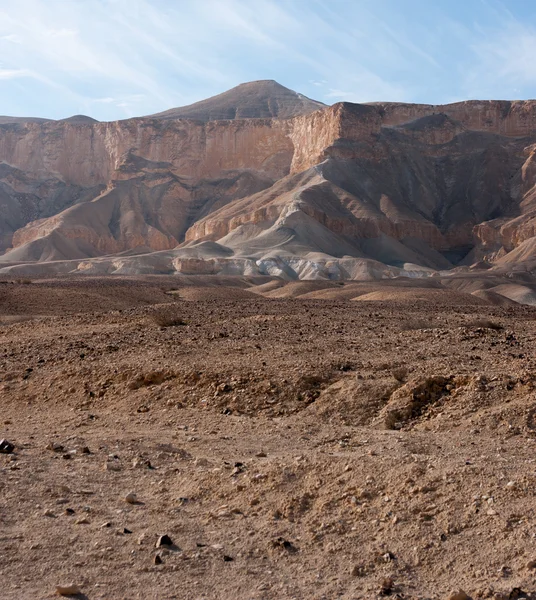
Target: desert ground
{"points": [[308, 441]]}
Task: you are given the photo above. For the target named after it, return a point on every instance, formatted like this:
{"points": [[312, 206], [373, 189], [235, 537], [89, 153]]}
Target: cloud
{"points": [[504, 60], [13, 73], [116, 58], [14, 39]]}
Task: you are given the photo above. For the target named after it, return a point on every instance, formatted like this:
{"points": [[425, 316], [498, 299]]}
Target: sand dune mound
{"points": [[432, 296], [518, 293], [494, 298], [213, 293]]}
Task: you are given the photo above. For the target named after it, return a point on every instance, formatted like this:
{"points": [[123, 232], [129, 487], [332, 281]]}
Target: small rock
{"points": [[387, 587], [69, 511], [164, 540], [157, 560], [112, 466], [227, 558], [125, 530], [131, 498], [282, 543], [49, 513], [531, 564], [67, 590], [261, 454], [55, 447], [459, 595], [82, 521], [6, 447], [359, 571]]}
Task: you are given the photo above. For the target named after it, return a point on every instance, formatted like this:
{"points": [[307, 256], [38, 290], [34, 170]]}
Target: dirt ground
{"points": [[289, 448]]}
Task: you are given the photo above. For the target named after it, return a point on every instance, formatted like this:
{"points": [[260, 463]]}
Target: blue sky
{"points": [[114, 59]]}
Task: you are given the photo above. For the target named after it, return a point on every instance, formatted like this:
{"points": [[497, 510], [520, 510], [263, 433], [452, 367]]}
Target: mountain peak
{"points": [[262, 99]]}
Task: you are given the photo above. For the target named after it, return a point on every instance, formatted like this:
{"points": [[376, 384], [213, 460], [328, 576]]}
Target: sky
{"points": [[115, 59]]}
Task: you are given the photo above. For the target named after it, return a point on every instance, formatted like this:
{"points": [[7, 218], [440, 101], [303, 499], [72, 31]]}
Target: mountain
{"points": [[348, 191], [255, 100]]}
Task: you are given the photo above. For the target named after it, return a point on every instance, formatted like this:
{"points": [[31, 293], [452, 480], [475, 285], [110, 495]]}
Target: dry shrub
{"points": [[400, 373], [484, 324], [414, 324], [168, 318]]}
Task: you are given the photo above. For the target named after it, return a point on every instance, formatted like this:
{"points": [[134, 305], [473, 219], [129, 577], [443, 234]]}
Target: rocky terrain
{"points": [[307, 440], [261, 181]]}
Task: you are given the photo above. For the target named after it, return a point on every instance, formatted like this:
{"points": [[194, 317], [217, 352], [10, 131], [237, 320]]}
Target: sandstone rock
{"points": [[68, 590], [131, 498], [164, 540], [6, 447], [378, 184], [459, 595]]}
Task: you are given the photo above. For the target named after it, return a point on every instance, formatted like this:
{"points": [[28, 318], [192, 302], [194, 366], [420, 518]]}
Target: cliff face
{"points": [[390, 182], [169, 164]]}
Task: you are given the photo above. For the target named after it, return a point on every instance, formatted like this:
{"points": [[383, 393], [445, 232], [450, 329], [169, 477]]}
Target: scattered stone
{"points": [[6, 447], [131, 498], [164, 540], [111, 465], [283, 543], [67, 590], [157, 560], [531, 564], [82, 521], [459, 595], [359, 571], [227, 558], [125, 530], [387, 587], [85, 450], [66, 456], [107, 524], [261, 454], [55, 447], [49, 513], [69, 511]]}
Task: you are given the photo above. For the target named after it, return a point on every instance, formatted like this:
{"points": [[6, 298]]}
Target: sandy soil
{"points": [[290, 448]]}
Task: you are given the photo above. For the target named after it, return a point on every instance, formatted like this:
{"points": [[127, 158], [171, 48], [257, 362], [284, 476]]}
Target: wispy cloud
{"points": [[13, 73]]}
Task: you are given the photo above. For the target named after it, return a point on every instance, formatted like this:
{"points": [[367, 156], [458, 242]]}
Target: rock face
{"points": [[265, 181]]}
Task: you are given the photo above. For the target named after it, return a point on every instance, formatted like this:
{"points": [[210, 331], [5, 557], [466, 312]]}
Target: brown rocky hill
{"points": [[253, 100], [263, 181]]}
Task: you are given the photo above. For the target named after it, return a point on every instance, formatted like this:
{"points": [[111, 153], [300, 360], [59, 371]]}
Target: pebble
{"points": [[82, 521], [459, 595], [131, 498], [6, 447], [157, 560], [112, 466], [67, 590], [164, 540]]}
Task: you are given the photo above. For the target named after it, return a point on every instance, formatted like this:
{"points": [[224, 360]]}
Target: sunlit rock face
{"points": [[280, 182]]}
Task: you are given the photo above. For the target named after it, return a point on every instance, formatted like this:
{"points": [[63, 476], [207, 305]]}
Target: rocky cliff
{"points": [[280, 178]]}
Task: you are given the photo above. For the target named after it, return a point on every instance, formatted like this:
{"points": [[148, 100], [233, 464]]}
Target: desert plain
{"points": [[293, 440]]}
